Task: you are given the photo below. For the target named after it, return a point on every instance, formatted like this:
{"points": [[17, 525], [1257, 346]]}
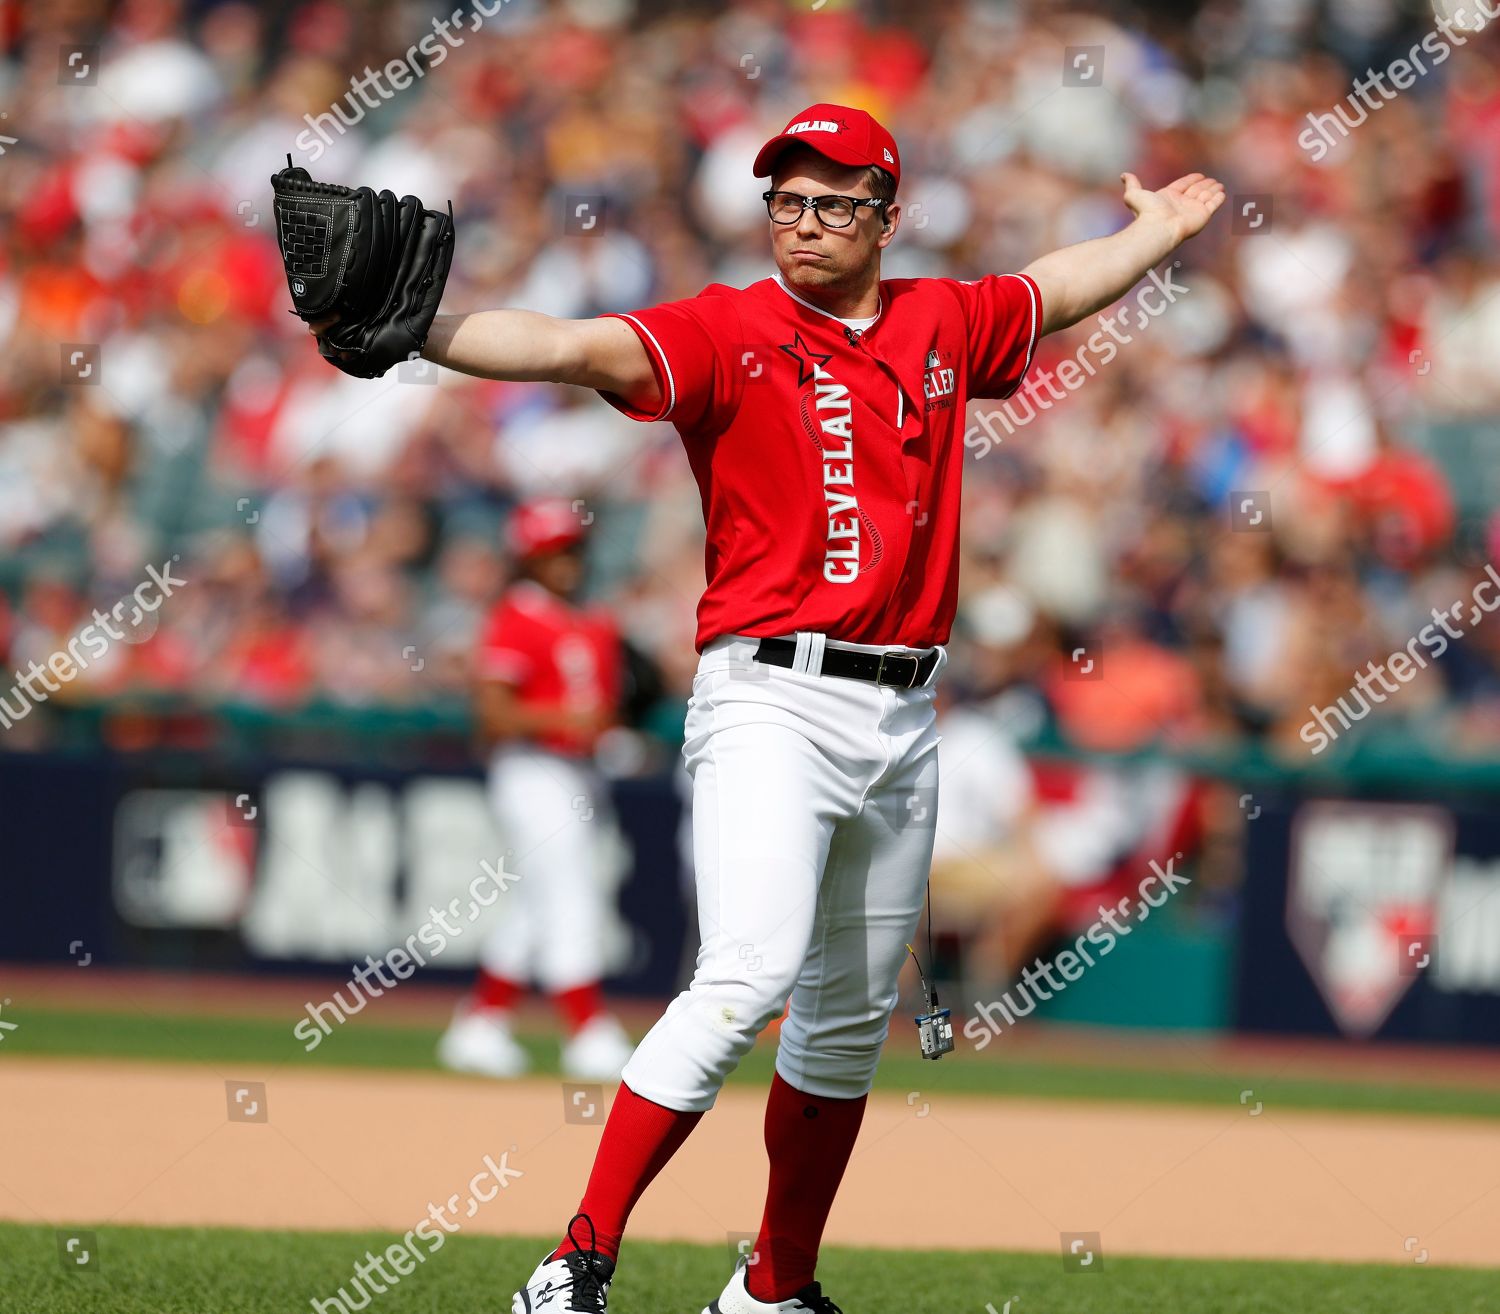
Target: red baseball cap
{"points": [[544, 524], [845, 135]]}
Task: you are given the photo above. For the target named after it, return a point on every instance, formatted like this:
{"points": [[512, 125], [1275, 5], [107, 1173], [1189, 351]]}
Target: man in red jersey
{"points": [[547, 683], [822, 411]]}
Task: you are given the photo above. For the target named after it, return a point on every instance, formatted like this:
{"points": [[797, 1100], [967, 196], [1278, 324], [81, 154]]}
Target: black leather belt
{"points": [[886, 668]]}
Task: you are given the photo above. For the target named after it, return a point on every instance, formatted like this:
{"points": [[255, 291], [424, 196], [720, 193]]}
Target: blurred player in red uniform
{"points": [[548, 684]]}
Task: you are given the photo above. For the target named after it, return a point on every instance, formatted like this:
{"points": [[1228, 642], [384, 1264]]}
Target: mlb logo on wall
{"points": [[1366, 880]]}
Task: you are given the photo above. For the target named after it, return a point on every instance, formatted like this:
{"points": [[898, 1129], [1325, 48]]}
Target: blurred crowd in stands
{"points": [[1335, 352]]}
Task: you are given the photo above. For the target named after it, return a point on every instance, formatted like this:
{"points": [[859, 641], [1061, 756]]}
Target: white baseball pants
{"points": [[814, 807], [555, 821]]}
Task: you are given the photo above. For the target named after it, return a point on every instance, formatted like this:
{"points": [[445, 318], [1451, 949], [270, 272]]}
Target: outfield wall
{"points": [[1375, 916], [185, 862]]}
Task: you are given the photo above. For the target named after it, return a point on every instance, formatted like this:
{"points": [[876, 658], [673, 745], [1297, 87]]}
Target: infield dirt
{"points": [[92, 1141]]}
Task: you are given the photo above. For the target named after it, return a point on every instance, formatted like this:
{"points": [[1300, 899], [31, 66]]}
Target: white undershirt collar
{"points": [[858, 325]]}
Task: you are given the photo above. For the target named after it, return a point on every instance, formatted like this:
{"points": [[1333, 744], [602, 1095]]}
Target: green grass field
{"points": [[136, 1270], [205, 1271], [363, 1044]]}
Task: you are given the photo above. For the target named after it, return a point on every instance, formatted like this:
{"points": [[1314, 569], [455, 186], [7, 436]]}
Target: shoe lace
{"points": [[589, 1270], [813, 1299]]}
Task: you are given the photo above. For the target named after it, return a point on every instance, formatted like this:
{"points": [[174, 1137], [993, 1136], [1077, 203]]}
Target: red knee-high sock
{"points": [[809, 1139], [491, 991], [639, 1138], [579, 1005]]}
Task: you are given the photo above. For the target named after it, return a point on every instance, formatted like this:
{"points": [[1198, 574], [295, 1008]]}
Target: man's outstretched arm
{"points": [[1078, 281], [525, 346]]}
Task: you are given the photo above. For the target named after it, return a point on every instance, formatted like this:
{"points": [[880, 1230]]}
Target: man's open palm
{"points": [[1186, 205]]}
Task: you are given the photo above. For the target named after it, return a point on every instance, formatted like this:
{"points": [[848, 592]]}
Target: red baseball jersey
{"points": [[829, 460], [555, 654]]}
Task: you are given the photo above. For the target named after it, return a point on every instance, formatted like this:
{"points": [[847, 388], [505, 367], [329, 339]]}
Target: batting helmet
{"points": [[544, 524]]}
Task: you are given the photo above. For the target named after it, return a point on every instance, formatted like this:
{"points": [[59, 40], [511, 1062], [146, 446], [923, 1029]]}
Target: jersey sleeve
{"points": [[689, 345], [1003, 314], [506, 648]]}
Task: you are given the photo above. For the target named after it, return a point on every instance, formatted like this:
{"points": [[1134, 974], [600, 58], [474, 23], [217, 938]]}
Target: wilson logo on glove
{"points": [[375, 266]]}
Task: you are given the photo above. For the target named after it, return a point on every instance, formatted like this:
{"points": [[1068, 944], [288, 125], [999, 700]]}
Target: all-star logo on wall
{"points": [[1363, 900]]}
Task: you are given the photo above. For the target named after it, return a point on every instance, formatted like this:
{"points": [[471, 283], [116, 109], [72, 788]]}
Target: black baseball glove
{"points": [[371, 264]]}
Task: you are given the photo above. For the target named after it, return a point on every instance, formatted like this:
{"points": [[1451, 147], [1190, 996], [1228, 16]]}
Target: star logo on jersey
{"points": [[807, 359]]}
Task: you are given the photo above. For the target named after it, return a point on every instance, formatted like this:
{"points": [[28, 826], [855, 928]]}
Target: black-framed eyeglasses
{"points": [[832, 211]]}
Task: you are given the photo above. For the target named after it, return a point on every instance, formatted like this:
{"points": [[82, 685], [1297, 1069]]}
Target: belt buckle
{"points": [[880, 670]]}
